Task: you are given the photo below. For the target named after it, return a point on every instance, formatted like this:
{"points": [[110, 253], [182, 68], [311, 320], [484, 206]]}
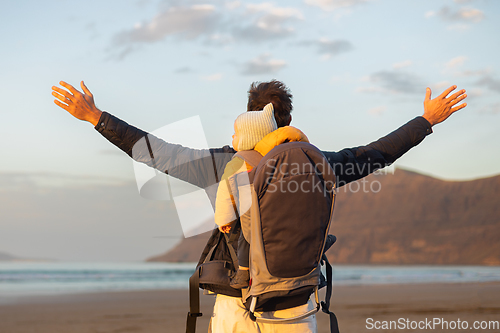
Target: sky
{"points": [[358, 69]]}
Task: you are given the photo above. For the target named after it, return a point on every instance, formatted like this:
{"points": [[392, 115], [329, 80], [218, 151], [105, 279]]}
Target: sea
{"points": [[50, 278]]}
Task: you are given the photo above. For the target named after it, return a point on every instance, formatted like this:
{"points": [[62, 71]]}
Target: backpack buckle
{"points": [[228, 265], [196, 314]]}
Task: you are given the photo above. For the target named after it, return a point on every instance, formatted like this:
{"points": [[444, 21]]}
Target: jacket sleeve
{"points": [[351, 164], [200, 167], [203, 167]]}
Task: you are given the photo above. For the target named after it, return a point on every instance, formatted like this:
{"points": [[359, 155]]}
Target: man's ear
{"points": [[289, 120]]}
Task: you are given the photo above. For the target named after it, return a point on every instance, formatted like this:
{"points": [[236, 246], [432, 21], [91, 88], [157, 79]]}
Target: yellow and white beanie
{"points": [[253, 126]]}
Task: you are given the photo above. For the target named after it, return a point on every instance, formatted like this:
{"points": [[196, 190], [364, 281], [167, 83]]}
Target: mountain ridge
{"points": [[412, 219], [7, 257]]}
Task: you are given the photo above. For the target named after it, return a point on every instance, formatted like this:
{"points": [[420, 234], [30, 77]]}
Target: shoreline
{"points": [[165, 310], [42, 297]]}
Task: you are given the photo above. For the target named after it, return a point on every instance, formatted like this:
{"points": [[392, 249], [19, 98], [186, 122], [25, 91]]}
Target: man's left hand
{"points": [[440, 108]]}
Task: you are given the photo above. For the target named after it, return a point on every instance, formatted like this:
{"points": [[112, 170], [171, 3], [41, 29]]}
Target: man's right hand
{"points": [[80, 105]]}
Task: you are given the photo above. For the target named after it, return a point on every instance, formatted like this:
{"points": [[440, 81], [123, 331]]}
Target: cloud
{"points": [[124, 52], [377, 111], [263, 64], [462, 1], [183, 70], [395, 82], [402, 64], [490, 109], [232, 4], [440, 86], [220, 39], [464, 15], [224, 24], [454, 67], [329, 48], [276, 12], [478, 72], [474, 93], [213, 77], [455, 62], [186, 22], [266, 22], [331, 5], [490, 83], [430, 13]]}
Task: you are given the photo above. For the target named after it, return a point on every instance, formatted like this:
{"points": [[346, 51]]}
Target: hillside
{"points": [[413, 219], [6, 257], [11, 258]]}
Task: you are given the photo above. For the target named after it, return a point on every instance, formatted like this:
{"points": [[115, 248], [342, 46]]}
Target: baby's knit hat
{"points": [[253, 126]]}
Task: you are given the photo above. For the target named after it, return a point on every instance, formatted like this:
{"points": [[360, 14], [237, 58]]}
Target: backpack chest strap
{"points": [[252, 157]]}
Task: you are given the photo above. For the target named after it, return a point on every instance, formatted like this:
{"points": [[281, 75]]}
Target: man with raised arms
{"points": [[204, 167]]}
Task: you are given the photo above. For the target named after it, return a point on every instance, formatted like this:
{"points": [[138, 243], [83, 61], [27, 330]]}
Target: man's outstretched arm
{"points": [[355, 163], [195, 166]]}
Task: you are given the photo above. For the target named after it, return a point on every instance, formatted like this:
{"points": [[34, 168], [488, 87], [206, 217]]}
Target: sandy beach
{"points": [[165, 310]]}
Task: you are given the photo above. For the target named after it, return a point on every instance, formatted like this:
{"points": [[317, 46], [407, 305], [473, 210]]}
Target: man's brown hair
{"points": [[276, 92]]}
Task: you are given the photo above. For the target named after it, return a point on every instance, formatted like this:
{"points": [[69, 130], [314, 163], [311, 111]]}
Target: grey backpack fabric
{"points": [[293, 195]]}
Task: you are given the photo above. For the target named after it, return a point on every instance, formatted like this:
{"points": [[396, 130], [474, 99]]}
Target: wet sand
{"points": [[165, 310]]}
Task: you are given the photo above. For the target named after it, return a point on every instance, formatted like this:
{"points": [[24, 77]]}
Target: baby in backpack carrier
{"points": [[253, 130], [249, 128]]}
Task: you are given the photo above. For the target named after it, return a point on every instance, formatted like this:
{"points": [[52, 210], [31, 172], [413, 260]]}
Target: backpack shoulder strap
{"points": [[325, 305], [194, 302], [194, 280], [252, 157]]}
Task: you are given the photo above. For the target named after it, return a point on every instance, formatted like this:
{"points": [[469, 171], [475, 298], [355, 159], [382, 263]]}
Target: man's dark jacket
{"points": [[204, 167]]}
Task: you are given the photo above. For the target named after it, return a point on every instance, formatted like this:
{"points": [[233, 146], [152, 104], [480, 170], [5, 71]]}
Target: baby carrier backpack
{"points": [[293, 195]]}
